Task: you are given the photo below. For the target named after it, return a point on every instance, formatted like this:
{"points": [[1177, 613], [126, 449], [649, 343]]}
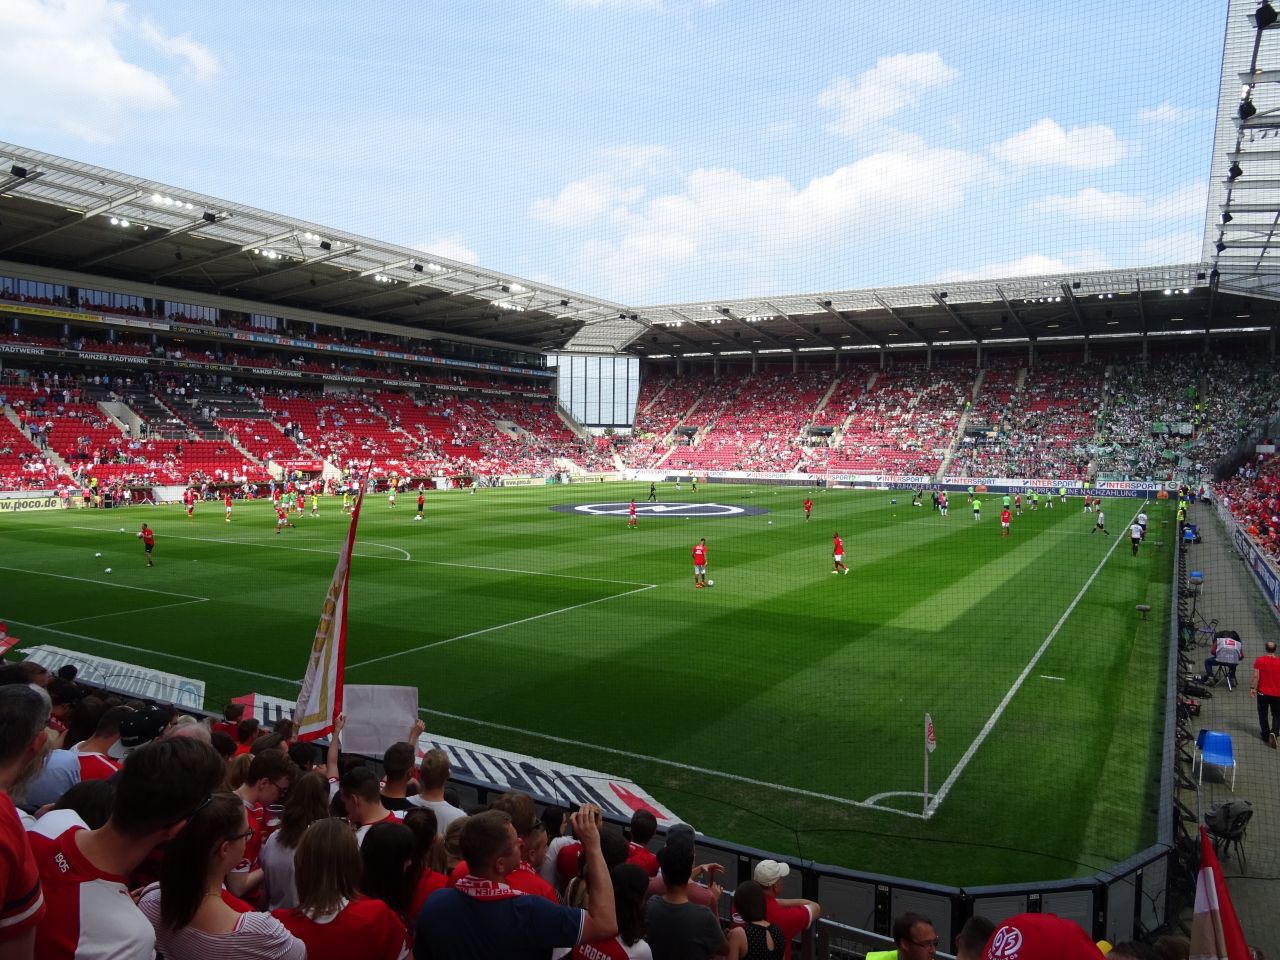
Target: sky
{"points": [[657, 151]]}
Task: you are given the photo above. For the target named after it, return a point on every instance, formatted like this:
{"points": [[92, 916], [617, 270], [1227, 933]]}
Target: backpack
{"points": [[1220, 816]]}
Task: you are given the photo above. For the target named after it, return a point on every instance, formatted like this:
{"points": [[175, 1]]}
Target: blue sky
{"points": [[653, 151]]}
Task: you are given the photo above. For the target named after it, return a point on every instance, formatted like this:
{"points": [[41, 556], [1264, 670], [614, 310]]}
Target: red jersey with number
{"points": [[148, 537], [838, 546], [808, 505], [22, 906], [1004, 516], [699, 556]]}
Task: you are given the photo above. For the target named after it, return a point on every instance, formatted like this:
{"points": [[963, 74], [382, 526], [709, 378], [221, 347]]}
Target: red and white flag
{"points": [[930, 740], [320, 700], [7, 642], [1215, 929]]}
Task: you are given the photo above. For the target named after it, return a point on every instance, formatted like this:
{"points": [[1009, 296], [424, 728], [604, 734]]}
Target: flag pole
{"points": [[925, 811]]}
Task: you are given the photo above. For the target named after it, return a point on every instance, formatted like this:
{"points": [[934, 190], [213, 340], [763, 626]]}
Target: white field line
{"points": [[433, 563], [676, 764], [1017, 685], [160, 653], [118, 613], [500, 626], [105, 583]]}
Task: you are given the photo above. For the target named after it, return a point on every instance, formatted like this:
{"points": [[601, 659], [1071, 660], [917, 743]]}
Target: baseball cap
{"points": [[769, 872], [1040, 936], [141, 727], [680, 833]]}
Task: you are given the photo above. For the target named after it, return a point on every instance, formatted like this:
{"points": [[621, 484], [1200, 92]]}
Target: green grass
{"points": [[768, 709]]}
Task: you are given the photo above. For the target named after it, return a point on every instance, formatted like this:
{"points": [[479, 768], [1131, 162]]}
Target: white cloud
{"points": [[1031, 265], [1047, 144], [450, 247], [721, 216], [1169, 113], [893, 84], [199, 58], [585, 201], [635, 157], [1100, 206], [1181, 247], [62, 56]]}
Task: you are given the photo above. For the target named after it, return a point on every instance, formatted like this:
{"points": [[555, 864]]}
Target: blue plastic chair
{"points": [[1213, 746]]}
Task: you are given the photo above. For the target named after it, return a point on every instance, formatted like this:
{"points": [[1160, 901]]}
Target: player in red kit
{"points": [[422, 503], [1004, 522], [282, 516], [631, 518], [837, 554], [226, 499], [808, 508], [189, 498], [148, 539], [700, 563]]}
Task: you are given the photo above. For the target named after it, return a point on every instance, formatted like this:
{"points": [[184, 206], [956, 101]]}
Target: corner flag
{"points": [[930, 740], [320, 700]]}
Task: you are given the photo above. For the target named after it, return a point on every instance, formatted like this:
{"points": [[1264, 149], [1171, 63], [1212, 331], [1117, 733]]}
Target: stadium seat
{"points": [[1214, 747]]}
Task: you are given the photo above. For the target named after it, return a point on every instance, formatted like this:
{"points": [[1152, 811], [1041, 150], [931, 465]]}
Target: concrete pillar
{"points": [[1031, 354], [882, 357], [795, 361], [679, 366], [755, 362], [977, 354], [1273, 340], [1145, 343], [715, 368], [928, 357]]}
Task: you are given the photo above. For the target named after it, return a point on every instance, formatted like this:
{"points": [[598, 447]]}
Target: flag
{"points": [[7, 642], [1215, 929], [930, 741], [320, 700]]}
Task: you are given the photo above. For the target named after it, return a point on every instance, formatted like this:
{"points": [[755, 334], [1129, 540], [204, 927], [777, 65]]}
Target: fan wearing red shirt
{"points": [[332, 918], [837, 554], [808, 508], [791, 916], [643, 826], [95, 764], [24, 711], [232, 714], [362, 798], [148, 538], [700, 563], [270, 774]]}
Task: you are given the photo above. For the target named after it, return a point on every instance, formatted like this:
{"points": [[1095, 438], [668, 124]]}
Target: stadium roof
{"points": [[85, 219], [1243, 215]]}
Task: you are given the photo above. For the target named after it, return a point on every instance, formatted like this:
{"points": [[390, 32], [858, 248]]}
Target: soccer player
{"points": [[943, 504], [1048, 500], [189, 498], [977, 509], [226, 499], [422, 505], [1017, 504], [148, 543], [1062, 494], [1101, 524], [1004, 522], [1005, 502], [631, 518], [346, 500], [1136, 531], [391, 495], [1142, 522], [700, 563], [282, 516], [837, 554], [653, 492], [1035, 500], [693, 482], [808, 509], [971, 494], [315, 502]]}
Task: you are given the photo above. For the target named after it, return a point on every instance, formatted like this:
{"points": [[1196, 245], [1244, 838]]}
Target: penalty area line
{"points": [[105, 583], [500, 626], [1017, 685]]}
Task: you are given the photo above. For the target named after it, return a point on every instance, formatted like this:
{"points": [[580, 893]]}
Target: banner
{"points": [[1215, 929], [503, 770], [320, 699], [141, 682], [22, 504]]}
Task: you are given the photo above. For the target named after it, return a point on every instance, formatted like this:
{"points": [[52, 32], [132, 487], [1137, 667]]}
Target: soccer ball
{"points": [[711, 583], [771, 523], [893, 503], [108, 570], [96, 555], [122, 529]]}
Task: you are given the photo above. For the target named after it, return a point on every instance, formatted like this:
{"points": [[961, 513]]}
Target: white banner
{"points": [[503, 770], [377, 716], [320, 699], [127, 678]]}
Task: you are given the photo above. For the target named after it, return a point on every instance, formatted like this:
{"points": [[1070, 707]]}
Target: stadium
{"points": [[973, 519]]}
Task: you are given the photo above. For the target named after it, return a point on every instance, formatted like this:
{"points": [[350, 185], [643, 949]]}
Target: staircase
{"points": [[154, 414]]}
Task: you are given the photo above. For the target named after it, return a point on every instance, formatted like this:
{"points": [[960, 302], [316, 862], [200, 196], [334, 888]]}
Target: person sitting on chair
{"points": [[1227, 652]]}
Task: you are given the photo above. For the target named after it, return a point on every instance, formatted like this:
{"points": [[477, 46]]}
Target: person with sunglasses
{"points": [[189, 907]]}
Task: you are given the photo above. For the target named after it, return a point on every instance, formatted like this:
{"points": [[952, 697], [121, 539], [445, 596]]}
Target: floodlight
{"points": [[326, 245], [1234, 172], [1265, 15], [210, 217], [17, 171], [1226, 218], [417, 268], [1220, 246], [1246, 109]]}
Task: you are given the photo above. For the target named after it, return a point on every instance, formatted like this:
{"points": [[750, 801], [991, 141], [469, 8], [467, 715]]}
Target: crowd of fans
{"points": [[1252, 496]]}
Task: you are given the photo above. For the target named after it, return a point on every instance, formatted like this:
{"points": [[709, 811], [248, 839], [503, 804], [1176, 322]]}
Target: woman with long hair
{"points": [[387, 852], [757, 939], [428, 857], [307, 802], [332, 918], [630, 889], [187, 909]]}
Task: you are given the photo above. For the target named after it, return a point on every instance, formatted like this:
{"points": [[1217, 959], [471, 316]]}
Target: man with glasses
{"points": [[84, 872], [270, 775], [914, 939]]}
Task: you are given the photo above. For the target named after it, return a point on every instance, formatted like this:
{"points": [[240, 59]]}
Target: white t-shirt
{"points": [[1135, 531], [278, 889], [1142, 519], [445, 812]]}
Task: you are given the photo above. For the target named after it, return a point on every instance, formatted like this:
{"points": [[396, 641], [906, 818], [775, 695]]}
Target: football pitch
{"points": [[782, 708]]}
